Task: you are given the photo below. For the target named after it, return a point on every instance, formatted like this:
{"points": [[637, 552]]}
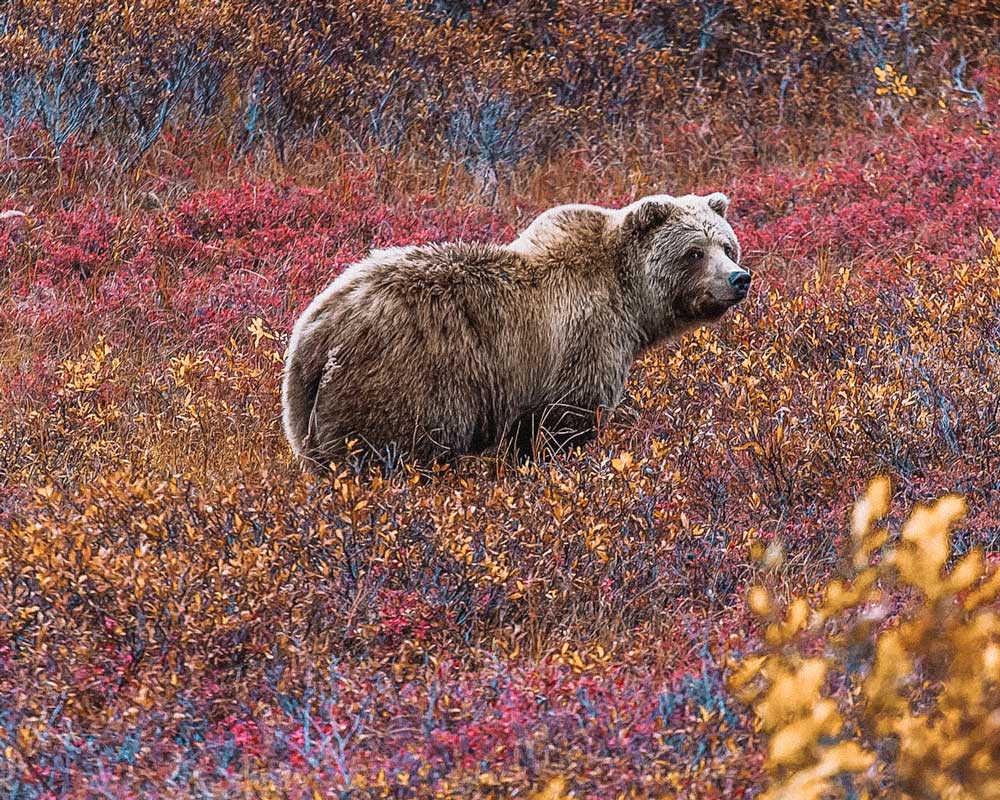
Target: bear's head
{"points": [[689, 257]]}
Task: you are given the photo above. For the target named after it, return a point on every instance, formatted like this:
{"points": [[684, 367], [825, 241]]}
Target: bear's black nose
{"points": [[740, 281]]}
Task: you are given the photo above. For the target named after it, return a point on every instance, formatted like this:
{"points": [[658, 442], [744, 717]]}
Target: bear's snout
{"points": [[740, 281]]}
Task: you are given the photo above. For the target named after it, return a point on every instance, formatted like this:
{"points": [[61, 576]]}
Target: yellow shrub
{"points": [[889, 681]]}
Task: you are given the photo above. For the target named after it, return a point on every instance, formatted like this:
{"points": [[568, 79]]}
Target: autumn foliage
{"points": [[902, 694], [484, 83], [685, 608]]}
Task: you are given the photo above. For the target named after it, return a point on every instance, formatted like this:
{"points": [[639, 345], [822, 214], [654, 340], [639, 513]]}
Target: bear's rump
{"points": [[425, 376]]}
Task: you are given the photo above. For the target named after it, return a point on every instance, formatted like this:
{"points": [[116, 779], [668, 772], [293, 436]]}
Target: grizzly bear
{"points": [[439, 350]]}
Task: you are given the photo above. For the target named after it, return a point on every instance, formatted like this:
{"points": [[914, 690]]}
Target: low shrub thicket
{"points": [[182, 611], [482, 83]]}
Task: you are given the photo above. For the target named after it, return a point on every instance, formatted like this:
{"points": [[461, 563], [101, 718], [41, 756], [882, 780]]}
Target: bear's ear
{"points": [[647, 216], [718, 202]]}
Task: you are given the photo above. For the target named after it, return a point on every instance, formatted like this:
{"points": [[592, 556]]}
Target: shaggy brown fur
{"points": [[445, 349]]}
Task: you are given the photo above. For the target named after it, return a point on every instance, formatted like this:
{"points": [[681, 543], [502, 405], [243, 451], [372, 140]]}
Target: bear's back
{"points": [[453, 269]]}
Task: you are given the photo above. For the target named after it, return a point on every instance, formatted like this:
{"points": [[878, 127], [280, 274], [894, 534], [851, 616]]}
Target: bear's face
{"points": [[689, 255]]}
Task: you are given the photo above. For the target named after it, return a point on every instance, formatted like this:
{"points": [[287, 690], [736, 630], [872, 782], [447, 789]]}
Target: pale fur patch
{"points": [[619, 214], [544, 228], [688, 202]]}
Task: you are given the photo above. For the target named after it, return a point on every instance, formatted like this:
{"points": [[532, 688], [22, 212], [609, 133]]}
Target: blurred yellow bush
{"points": [[888, 682]]}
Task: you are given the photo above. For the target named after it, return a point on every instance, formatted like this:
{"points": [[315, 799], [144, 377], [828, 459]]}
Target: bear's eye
{"points": [[695, 254], [730, 252]]}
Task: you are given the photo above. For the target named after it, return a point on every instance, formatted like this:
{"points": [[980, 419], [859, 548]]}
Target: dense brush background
{"points": [[183, 612]]}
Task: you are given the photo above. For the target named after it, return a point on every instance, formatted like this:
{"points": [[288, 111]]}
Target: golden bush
{"points": [[890, 680]]}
